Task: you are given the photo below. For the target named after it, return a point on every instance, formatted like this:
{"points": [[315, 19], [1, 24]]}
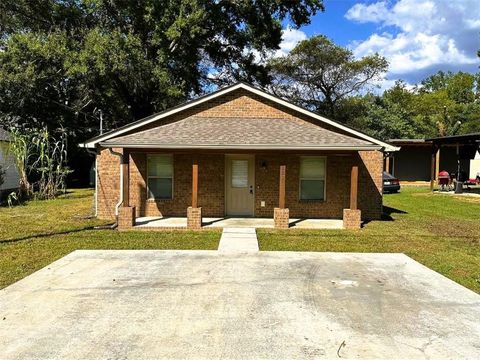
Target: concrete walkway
{"points": [[238, 240]]}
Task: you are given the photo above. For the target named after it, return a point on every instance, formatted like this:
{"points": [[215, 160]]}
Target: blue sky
{"points": [[333, 24], [418, 37]]}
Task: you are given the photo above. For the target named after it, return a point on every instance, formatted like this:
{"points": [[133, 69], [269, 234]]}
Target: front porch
{"points": [[265, 198], [162, 223]]}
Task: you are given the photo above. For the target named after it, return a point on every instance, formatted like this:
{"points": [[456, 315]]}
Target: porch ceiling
{"points": [[240, 133]]}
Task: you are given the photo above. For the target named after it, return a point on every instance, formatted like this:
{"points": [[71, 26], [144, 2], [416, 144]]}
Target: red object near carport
{"points": [[444, 180]]}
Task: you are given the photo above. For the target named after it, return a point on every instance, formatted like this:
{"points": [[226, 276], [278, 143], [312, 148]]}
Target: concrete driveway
{"points": [[206, 305]]}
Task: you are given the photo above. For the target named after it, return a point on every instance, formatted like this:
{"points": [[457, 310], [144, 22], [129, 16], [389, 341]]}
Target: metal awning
{"points": [[466, 139]]}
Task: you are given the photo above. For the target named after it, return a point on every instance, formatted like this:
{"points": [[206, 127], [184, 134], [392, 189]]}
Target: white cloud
{"points": [[290, 38], [368, 13], [421, 36]]}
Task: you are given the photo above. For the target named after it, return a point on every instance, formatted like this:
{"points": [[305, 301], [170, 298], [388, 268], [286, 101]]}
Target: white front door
{"points": [[240, 187]]}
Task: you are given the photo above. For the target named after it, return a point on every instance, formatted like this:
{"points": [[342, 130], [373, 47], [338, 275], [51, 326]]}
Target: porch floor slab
{"points": [[236, 222]]}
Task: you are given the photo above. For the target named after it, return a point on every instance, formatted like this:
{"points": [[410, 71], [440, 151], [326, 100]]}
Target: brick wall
{"points": [[211, 191], [211, 195], [337, 186], [370, 184], [108, 186], [267, 185]]}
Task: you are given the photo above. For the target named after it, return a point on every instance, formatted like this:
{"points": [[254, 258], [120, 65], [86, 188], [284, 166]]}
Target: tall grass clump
{"points": [[41, 160]]}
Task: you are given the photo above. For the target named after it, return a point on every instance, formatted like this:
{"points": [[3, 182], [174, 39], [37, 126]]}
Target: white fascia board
{"points": [[387, 147], [240, 147]]}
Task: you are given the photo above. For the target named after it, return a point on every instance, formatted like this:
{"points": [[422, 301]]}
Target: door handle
{"points": [[251, 189]]}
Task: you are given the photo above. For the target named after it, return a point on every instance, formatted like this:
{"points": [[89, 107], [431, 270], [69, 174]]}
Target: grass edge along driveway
{"points": [[37, 233], [439, 231]]}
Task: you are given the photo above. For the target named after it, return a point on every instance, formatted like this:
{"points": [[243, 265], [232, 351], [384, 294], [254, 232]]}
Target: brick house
{"points": [[238, 152]]}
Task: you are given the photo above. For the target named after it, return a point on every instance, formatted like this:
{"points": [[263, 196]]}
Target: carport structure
{"points": [[467, 145]]}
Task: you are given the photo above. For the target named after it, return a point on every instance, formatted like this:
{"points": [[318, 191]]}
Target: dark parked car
{"points": [[390, 183]]}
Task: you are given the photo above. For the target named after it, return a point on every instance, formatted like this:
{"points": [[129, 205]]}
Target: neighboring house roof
{"points": [[4, 136], [406, 141], [409, 142], [321, 120], [472, 138], [223, 133]]}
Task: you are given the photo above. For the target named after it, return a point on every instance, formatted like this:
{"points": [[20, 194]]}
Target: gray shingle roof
{"points": [[142, 123], [242, 132], [4, 135]]}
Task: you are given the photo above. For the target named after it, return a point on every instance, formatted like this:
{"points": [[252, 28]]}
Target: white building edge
{"points": [[7, 163]]}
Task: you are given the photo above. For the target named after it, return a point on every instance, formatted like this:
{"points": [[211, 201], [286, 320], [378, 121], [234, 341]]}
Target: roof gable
{"points": [[239, 133], [316, 119]]}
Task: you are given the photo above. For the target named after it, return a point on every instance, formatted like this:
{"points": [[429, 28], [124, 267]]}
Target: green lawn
{"points": [[39, 232], [439, 231]]}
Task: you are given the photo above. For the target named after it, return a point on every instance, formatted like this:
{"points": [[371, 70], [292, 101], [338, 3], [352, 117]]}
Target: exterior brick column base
{"points": [[194, 218], [126, 217], [281, 218], [352, 219]]}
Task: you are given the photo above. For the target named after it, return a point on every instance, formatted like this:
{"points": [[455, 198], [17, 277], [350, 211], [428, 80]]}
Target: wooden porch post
{"points": [[194, 213], [281, 196], [437, 164], [432, 168], [195, 184], [387, 164], [354, 188], [126, 178]]}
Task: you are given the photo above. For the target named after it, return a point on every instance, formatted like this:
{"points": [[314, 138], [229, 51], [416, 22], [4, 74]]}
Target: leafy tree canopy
{"points": [[67, 64], [62, 61], [442, 104], [317, 74], [461, 87]]}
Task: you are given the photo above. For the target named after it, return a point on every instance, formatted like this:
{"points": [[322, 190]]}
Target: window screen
{"points": [[160, 176], [312, 178]]}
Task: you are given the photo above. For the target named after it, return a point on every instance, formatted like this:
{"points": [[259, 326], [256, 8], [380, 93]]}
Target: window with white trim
{"points": [[312, 178], [160, 176]]}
